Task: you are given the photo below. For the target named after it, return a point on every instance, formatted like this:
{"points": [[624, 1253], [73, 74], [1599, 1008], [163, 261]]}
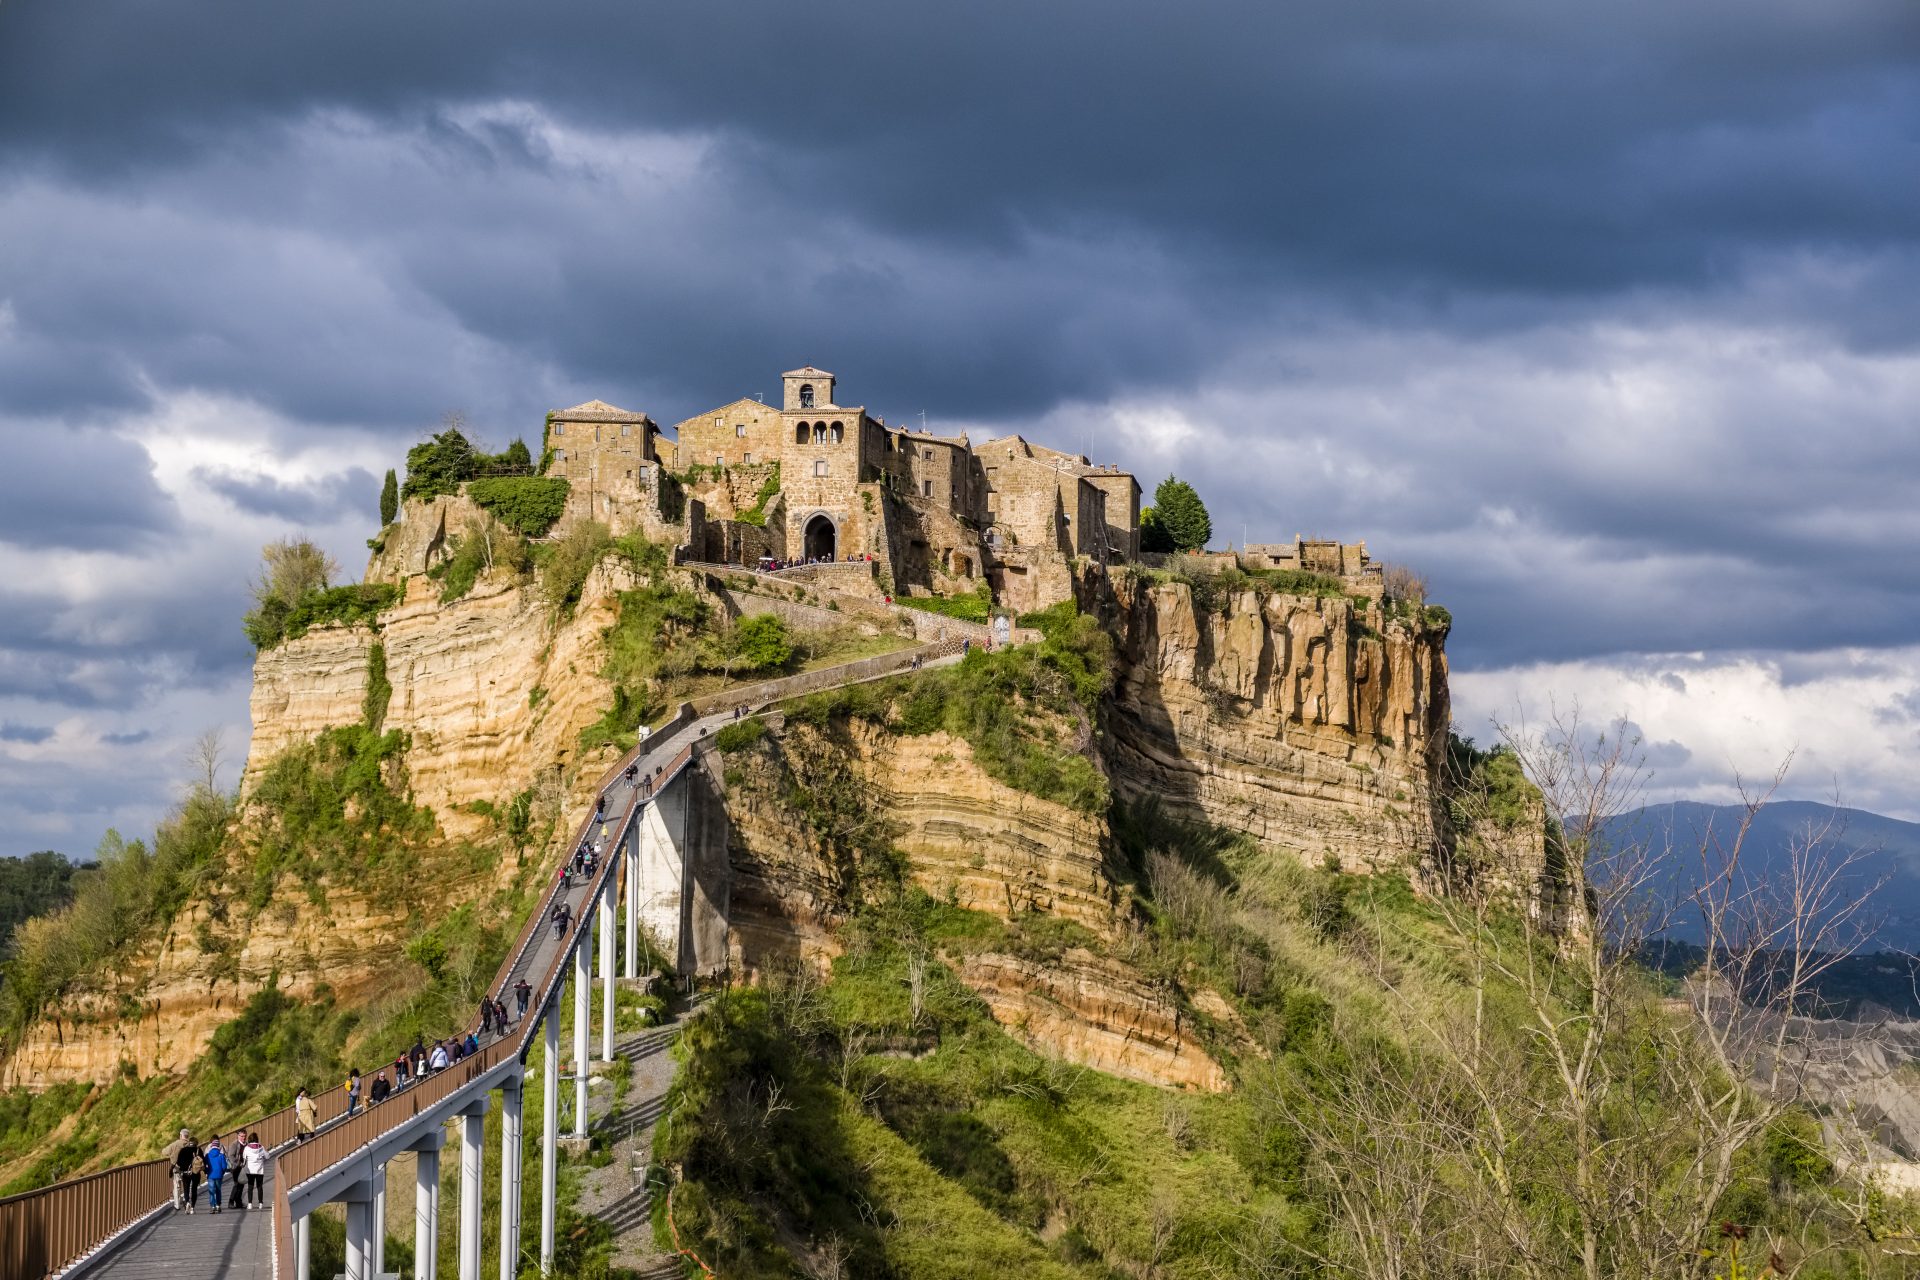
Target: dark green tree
{"points": [[389, 499], [439, 465], [517, 455], [1179, 511], [1153, 532]]}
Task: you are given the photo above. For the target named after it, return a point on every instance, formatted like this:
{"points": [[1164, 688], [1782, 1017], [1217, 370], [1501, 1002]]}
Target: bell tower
{"points": [[806, 388]]}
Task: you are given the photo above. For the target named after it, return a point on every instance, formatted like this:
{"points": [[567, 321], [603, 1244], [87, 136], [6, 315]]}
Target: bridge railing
{"points": [[42, 1231], [341, 1142]]}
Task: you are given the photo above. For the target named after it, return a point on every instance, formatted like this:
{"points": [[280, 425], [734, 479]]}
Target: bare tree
{"points": [[1404, 582], [205, 757], [1604, 1138], [290, 568]]}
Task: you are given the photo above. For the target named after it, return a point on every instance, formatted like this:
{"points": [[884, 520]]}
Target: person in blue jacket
{"points": [[216, 1169]]}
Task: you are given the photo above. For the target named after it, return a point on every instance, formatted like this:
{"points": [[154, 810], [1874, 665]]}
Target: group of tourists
{"points": [[772, 564], [192, 1163]]}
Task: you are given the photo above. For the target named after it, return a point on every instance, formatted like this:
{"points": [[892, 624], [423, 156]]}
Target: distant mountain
{"points": [[1890, 848]]}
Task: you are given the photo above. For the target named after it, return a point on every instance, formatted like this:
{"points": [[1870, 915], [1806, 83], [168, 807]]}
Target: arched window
{"points": [[806, 395], [839, 433], [800, 434], [819, 433]]}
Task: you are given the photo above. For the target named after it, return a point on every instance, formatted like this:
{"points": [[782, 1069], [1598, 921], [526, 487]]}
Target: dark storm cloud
{"points": [[1372, 262], [322, 500], [87, 489]]}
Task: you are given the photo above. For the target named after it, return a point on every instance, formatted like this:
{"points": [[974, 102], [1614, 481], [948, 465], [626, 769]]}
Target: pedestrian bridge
{"points": [[665, 871]]}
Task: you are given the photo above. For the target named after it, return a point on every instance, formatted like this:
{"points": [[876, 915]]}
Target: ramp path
{"points": [[121, 1222]]}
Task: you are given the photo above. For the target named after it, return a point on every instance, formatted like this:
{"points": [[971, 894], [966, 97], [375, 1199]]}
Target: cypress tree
{"points": [[389, 500], [1182, 515]]}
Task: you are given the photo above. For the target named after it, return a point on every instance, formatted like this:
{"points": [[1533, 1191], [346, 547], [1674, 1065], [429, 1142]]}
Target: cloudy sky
{"points": [[1606, 317]]}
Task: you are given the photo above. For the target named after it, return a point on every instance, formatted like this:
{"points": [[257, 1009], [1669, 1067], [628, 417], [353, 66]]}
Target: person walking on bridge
{"points": [[486, 1016], [255, 1164], [305, 1116], [171, 1154], [522, 996], [188, 1166], [236, 1151], [353, 1090], [378, 1091], [216, 1161]]}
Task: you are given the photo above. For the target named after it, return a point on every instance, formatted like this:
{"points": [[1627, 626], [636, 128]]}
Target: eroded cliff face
{"points": [[1311, 726], [464, 679], [801, 807], [490, 693]]}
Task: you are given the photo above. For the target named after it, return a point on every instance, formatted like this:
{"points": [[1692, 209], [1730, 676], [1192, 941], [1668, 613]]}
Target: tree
{"points": [[516, 455], [1561, 1119], [440, 464], [389, 499], [1179, 511], [1153, 533], [762, 642], [208, 753]]}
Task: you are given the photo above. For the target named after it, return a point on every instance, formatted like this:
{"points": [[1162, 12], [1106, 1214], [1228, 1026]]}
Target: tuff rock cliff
{"points": [[1315, 725]]}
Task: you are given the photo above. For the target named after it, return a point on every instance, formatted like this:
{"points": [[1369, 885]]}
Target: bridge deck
{"points": [[236, 1243]]}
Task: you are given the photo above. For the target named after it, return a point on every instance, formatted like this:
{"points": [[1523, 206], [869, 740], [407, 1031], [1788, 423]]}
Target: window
{"points": [[749, 460], [839, 433], [927, 454], [820, 466], [559, 455], [719, 460], [926, 488], [800, 434], [819, 433], [806, 395], [626, 429], [718, 421], [559, 428], [740, 431]]}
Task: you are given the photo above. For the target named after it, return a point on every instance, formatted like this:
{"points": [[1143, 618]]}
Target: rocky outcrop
{"points": [[1302, 721], [966, 838], [490, 692], [492, 695], [1095, 1012]]}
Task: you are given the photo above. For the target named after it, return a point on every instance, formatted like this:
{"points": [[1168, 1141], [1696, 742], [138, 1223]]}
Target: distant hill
{"points": [[1891, 851]]}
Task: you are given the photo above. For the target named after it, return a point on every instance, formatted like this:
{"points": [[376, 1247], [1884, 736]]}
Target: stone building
{"points": [[937, 513]]}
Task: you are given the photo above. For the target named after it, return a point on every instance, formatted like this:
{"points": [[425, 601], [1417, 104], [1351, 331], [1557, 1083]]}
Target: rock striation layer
{"points": [[1303, 721]]}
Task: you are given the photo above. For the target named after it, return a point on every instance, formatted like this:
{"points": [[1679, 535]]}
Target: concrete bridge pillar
{"points": [[302, 1247], [550, 1134], [606, 974], [510, 1104], [582, 1016], [630, 891], [377, 1245], [358, 1199], [473, 1155], [660, 844], [426, 1205]]}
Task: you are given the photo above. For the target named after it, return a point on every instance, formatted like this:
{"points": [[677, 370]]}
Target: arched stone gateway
{"points": [[821, 539]]}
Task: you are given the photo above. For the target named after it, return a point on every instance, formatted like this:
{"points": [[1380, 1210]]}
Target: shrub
{"points": [[762, 642], [528, 505], [739, 735], [356, 603], [439, 465], [564, 565], [975, 606]]}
